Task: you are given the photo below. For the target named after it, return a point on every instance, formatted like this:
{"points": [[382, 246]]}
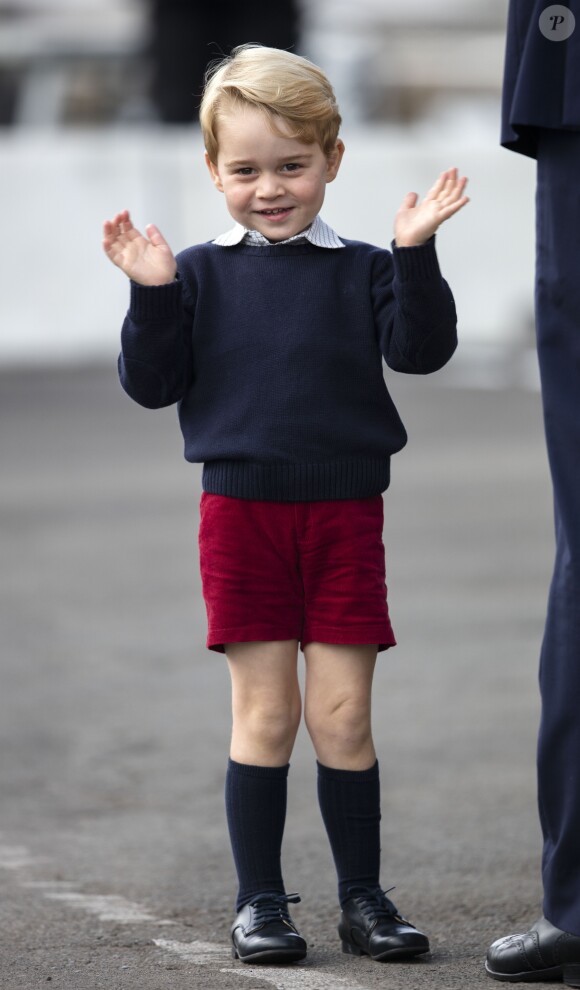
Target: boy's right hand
{"points": [[147, 260]]}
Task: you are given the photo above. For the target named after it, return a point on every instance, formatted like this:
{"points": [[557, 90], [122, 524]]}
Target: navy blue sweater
{"points": [[274, 356]]}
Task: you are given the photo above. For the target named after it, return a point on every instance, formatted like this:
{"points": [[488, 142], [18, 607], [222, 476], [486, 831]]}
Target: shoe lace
{"points": [[374, 903], [273, 907]]}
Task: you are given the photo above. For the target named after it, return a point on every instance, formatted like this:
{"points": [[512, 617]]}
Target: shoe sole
{"points": [[271, 956], [400, 952], [570, 975]]}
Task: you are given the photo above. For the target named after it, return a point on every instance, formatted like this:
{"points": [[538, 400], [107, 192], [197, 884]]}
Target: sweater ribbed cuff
{"points": [[155, 302], [416, 263]]}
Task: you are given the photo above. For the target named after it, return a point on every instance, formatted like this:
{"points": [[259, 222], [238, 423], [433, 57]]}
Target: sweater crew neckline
{"points": [[265, 250]]}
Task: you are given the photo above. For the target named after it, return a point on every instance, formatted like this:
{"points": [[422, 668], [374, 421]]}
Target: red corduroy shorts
{"points": [[311, 571]]}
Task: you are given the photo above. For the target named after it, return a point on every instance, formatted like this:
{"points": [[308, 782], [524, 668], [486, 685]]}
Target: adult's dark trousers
{"points": [[558, 333]]}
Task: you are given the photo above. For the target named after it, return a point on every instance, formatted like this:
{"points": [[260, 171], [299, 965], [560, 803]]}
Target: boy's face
{"points": [[273, 183]]}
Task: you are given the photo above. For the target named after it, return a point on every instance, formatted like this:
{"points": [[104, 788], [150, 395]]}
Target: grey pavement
{"points": [[114, 718]]}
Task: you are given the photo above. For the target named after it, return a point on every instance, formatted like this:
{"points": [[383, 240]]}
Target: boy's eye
{"points": [[246, 170], [292, 166]]}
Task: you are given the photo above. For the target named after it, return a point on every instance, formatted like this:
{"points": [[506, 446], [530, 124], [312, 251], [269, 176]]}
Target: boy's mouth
{"points": [[277, 213]]}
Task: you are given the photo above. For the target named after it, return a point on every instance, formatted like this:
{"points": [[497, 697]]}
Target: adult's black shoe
{"points": [[371, 925], [543, 953], [264, 932]]}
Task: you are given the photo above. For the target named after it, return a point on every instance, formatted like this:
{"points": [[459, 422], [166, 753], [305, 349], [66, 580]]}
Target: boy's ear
{"points": [[214, 173], [333, 161]]}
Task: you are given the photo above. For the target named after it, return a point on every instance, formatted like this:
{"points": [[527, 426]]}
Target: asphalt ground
{"points": [[114, 718]]}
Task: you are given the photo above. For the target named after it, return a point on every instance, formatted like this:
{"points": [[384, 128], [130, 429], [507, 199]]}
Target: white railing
{"points": [[62, 299]]}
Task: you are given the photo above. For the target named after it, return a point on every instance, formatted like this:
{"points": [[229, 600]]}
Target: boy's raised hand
{"points": [[147, 260], [416, 222]]}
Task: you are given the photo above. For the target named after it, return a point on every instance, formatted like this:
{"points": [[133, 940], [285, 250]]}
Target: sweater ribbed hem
{"points": [[297, 482]]}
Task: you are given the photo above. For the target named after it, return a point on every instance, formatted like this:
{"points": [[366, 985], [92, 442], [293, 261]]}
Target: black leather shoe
{"points": [[264, 932], [543, 953], [371, 925]]}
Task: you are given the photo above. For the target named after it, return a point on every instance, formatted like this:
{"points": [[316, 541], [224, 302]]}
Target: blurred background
{"points": [[98, 111]]}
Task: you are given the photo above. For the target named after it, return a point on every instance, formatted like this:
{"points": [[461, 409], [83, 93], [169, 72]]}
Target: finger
{"points": [[410, 201], [439, 185], [456, 181], [452, 175], [451, 190], [449, 183], [452, 208], [155, 236], [110, 234], [111, 249], [455, 192], [123, 222], [112, 228]]}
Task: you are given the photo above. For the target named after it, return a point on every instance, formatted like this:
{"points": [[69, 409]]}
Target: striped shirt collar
{"points": [[319, 234]]}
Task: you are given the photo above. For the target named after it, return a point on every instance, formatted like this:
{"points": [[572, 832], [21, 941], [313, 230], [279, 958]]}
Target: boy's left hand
{"points": [[415, 224]]}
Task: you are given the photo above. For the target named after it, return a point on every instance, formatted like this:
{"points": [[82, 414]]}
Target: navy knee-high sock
{"points": [[256, 814], [350, 803]]}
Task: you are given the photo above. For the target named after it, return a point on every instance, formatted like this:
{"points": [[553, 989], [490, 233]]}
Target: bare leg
{"points": [[266, 702], [337, 704]]}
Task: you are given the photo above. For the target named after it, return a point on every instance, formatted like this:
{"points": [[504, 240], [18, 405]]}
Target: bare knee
{"points": [[266, 702], [341, 732], [264, 730]]}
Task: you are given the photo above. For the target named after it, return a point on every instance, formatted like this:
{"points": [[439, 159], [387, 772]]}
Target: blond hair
{"points": [[278, 84]]}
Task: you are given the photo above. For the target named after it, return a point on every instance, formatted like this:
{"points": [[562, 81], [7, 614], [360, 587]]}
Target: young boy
{"points": [[271, 340]]}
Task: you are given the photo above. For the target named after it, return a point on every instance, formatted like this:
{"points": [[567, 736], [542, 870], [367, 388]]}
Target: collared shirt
{"points": [[319, 234]]}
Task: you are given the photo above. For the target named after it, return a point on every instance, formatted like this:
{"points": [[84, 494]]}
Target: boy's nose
{"points": [[269, 186]]}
